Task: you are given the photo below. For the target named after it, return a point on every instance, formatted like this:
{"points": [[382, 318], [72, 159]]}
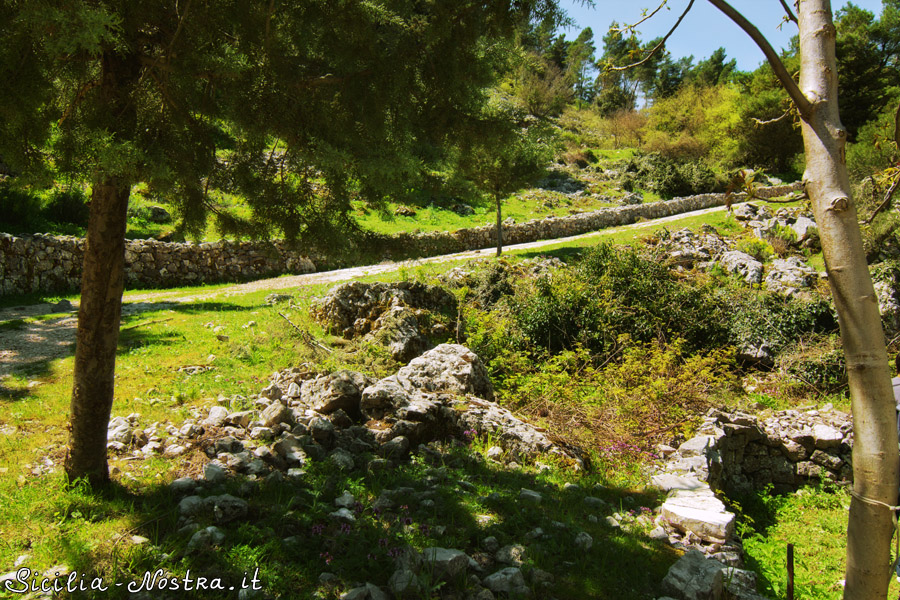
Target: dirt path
{"points": [[33, 345]]}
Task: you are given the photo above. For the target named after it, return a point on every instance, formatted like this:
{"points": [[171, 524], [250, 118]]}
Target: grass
{"points": [[815, 521]]}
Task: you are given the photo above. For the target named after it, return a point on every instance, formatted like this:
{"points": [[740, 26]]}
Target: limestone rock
{"points": [[700, 513], [750, 269], [694, 577], [448, 368], [446, 563], [507, 581], [339, 390]]}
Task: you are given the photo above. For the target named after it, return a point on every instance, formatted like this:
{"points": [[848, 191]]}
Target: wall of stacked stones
{"points": [[737, 452], [44, 263], [442, 242]]}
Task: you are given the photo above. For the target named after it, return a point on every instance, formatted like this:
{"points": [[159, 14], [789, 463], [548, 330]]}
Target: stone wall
{"points": [[44, 263], [406, 245], [736, 452]]}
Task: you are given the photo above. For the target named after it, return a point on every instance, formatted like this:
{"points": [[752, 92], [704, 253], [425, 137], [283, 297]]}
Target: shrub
{"points": [[22, 211], [69, 206], [774, 320], [816, 365], [613, 292], [669, 177], [759, 249]]}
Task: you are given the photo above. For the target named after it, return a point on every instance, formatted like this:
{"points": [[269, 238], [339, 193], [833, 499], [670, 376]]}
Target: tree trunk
{"points": [[102, 284], [876, 467], [499, 227]]}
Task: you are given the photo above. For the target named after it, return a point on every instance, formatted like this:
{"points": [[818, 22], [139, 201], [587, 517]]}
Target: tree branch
{"points": [[789, 12], [661, 43], [800, 101], [78, 97], [770, 121], [886, 203], [647, 17]]}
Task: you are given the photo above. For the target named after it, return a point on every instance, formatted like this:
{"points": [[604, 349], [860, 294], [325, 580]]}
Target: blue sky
{"points": [[703, 30]]}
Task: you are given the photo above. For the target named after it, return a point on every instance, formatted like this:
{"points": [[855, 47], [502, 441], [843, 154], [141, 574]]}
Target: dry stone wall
{"points": [[44, 263], [442, 242]]}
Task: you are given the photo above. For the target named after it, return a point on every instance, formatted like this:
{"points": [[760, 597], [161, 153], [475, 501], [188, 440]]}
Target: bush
{"points": [[816, 365], [774, 320], [759, 249], [613, 292], [669, 177], [69, 206], [22, 211]]}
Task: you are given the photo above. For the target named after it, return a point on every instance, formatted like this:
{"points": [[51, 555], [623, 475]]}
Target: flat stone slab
{"points": [[700, 513], [668, 482]]}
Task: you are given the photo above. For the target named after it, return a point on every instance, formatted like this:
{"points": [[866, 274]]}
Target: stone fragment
{"points": [[529, 496], [512, 554], [446, 563], [507, 581], [699, 513], [339, 390], [583, 541], [694, 577], [206, 538], [214, 473], [227, 508], [750, 269], [276, 413]]}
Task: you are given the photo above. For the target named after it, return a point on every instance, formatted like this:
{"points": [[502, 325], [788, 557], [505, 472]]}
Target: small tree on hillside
{"points": [[510, 153]]}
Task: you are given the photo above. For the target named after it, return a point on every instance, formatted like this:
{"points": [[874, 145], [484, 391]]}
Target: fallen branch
{"points": [[308, 339]]}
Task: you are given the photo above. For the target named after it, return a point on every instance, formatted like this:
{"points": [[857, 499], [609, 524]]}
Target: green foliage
{"points": [[759, 249], [868, 54], [388, 89], [772, 319], [814, 520], [669, 177], [68, 206], [610, 293], [874, 149], [60, 210], [817, 365], [716, 123]]}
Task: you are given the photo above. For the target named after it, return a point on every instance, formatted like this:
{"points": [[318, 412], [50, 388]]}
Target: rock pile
{"points": [[402, 316], [800, 224], [347, 418]]}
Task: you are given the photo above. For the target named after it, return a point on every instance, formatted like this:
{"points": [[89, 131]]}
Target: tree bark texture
{"points": [[102, 284], [876, 467], [499, 227]]}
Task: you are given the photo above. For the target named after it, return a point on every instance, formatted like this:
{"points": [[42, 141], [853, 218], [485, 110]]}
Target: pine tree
{"points": [[269, 100]]}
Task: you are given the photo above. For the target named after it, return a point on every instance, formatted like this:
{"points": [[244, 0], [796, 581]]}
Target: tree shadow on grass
{"points": [[454, 500]]}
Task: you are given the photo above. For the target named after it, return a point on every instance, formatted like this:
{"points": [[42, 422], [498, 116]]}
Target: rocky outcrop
{"points": [[789, 276], [402, 316]]}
